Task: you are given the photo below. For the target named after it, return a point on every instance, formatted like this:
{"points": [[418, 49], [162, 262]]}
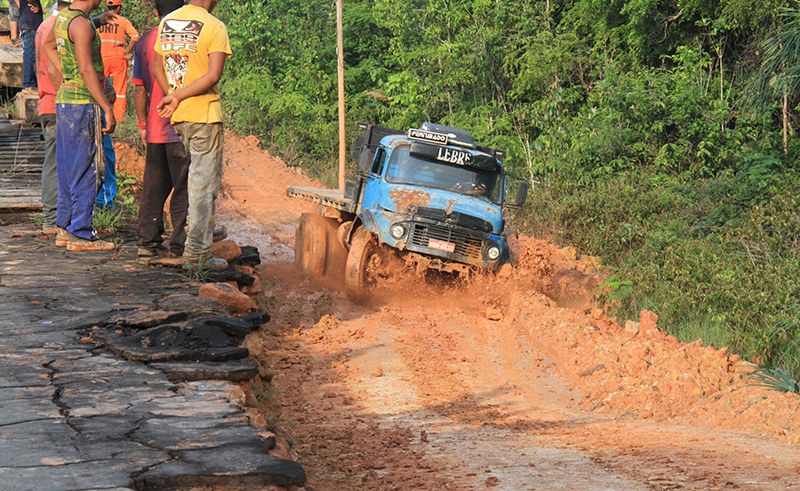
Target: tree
{"points": [[779, 75]]}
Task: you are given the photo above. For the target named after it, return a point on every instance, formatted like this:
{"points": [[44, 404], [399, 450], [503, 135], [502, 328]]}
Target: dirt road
{"points": [[511, 382]]}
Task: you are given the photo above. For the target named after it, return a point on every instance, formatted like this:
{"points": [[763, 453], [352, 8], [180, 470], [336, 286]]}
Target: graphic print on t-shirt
{"points": [[180, 37], [175, 65]]}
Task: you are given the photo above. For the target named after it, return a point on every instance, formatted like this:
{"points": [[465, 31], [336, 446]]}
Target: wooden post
{"points": [[340, 52]]}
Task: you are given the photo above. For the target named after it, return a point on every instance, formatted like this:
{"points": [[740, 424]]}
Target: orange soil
{"points": [[497, 382]]}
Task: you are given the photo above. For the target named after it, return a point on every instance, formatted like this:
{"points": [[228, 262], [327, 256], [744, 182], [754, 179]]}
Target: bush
{"points": [[716, 259]]}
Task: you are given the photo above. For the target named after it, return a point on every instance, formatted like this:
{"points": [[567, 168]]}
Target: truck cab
{"points": [[426, 198], [433, 192]]}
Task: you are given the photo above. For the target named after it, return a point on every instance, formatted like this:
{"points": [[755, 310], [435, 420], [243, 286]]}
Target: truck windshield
{"points": [[408, 169]]}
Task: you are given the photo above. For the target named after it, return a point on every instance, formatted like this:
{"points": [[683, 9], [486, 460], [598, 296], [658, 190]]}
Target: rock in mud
{"points": [[190, 304], [253, 289], [226, 249], [632, 327], [494, 313], [227, 296]]}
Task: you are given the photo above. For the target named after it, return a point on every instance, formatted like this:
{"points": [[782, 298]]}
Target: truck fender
{"points": [[365, 219]]}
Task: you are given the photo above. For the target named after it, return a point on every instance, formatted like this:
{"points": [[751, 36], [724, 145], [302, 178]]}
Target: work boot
{"points": [[219, 234], [61, 237], [49, 230], [75, 243], [146, 252], [160, 251]]}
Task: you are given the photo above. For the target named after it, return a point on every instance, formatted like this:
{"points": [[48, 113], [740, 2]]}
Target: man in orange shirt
{"points": [[115, 54]]}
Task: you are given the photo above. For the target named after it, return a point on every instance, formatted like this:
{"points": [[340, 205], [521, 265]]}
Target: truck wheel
{"points": [[362, 262], [310, 244]]}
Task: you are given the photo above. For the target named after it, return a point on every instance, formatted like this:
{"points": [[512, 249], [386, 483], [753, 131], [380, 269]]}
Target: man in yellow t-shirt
{"points": [[190, 53]]}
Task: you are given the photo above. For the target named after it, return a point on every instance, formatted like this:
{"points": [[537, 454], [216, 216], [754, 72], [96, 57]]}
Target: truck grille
{"points": [[460, 219], [466, 245]]}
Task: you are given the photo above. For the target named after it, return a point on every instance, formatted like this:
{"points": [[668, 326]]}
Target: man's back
{"points": [[47, 92], [112, 36], [186, 38]]}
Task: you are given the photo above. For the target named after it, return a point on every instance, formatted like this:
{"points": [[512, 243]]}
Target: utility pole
{"points": [[340, 52]]}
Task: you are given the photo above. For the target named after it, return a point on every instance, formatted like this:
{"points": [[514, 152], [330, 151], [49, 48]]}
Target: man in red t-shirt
{"points": [[48, 78], [166, 162]]}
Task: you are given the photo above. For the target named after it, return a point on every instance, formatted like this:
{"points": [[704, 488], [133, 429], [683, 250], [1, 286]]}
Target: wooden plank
{"points": [[10, 66], [333, 198]]}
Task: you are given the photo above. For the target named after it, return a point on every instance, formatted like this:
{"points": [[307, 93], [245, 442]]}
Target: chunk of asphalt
{"points": [[257, 319], [234, 327], [221, 276], [235, 371], [146, 318], [250, 257]]}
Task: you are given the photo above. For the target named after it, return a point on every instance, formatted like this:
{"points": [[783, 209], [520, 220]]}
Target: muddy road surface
{"points": [[512, 382]]}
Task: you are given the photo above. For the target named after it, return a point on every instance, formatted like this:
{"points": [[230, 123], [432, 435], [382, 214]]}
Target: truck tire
{"points": [[310, 245], [362, 260]]}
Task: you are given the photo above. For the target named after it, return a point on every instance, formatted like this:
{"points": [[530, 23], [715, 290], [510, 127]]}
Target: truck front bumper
{"points": [[433, 239]]}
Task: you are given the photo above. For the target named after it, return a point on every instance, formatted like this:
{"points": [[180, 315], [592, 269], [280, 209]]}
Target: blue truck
{"points": [[428, 198]]}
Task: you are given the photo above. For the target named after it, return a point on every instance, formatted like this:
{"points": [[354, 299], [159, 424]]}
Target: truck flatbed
{"points": [[332, 198]]}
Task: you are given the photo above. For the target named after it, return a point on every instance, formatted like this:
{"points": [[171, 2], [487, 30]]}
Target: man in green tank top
{"points": [[74, 46]]}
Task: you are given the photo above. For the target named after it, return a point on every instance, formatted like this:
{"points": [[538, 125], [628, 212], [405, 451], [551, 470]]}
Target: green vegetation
{"points": [[659, 133], [106, 219], [774, 379]]}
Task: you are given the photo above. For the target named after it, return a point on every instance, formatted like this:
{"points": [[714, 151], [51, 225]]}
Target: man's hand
{"points": [[143, 134], [167, 106], [105, 18], [33, 7], [111, 123]]}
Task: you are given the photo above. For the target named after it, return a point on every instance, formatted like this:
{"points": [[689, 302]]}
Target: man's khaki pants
{"points": [[203, 142]]}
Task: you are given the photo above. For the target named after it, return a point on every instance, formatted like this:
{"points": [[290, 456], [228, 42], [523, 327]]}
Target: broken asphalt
{"points": [[76, 416]]}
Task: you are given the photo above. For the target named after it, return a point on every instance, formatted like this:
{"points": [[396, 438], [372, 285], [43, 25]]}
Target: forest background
{"points": [[658, 134]]}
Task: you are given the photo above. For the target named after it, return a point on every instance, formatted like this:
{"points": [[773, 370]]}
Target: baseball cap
{"points": [[113, 3]]}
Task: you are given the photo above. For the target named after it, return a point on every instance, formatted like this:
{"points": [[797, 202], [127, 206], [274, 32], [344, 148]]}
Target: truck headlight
{"points": [[397, 231], [493, 252]]}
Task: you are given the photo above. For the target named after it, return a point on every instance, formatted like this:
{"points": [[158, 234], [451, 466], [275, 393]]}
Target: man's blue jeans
{"points": [[76, 152], [28, 58]]}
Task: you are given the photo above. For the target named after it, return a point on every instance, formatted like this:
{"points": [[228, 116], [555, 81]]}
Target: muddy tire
{"points": [[311, 245], [362, 260]]}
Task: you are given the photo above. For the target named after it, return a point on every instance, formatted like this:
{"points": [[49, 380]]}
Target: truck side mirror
{"points": [[522, 194], [364, 160]]}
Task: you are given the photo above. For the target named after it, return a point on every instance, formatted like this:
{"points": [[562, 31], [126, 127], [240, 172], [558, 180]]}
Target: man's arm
{"points": [[131, 32], [54, 75], [140, 102], [81, 33], [216, 62], [53, 61], [158, 72]]}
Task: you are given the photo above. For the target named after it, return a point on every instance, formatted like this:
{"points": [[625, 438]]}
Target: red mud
{"points": [[502, 381]]}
